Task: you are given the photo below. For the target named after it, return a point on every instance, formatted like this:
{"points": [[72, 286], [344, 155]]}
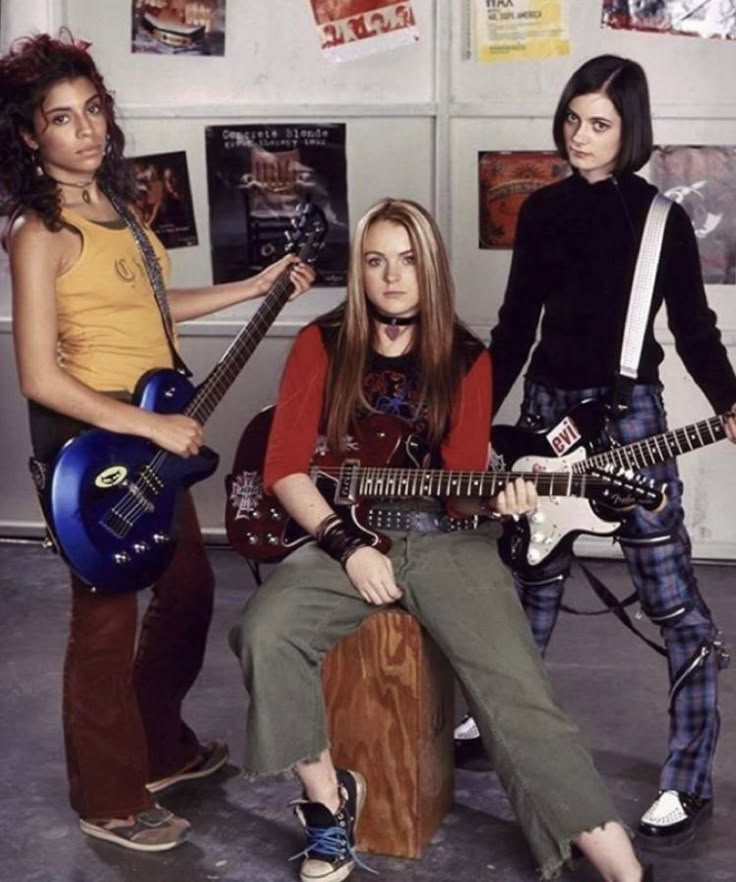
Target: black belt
{"points": [[417, 520]]}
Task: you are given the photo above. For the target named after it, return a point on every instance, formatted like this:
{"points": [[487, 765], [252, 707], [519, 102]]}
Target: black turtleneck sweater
{"points": [[574, 258]]}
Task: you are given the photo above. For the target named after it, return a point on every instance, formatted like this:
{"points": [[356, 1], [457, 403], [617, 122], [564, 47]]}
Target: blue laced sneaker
{"points": [[329, 855]]}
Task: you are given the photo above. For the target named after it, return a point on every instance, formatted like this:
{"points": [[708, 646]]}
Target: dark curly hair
{"points": [[30, 68]]}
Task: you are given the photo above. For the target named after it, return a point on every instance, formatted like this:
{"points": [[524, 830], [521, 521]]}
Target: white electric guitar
{"points": [[578, 444]]}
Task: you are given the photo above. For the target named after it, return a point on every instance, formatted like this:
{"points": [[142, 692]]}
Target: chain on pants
{"points": [[657, 551]]}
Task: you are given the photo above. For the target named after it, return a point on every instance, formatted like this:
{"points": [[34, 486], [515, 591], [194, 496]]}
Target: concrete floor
{"points": [[244, 832]]}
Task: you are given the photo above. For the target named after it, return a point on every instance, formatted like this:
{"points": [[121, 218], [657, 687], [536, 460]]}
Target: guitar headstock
{"points": [[622, 489], [309, 228]]}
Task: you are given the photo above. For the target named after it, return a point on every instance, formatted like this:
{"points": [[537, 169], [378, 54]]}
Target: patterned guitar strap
{"points": [[153, 269]]}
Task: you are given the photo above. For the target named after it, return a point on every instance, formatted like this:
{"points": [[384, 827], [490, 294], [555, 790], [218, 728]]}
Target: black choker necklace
{"points": [[394, 323], [83, 187]]}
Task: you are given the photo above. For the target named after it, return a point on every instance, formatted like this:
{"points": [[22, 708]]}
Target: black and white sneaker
{"points": [[469, 751], [329, 855], [672, 819]]}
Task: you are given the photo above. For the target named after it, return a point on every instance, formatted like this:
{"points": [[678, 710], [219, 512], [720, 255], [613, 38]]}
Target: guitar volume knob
{"points": [[121, 557], [140, 547], [537, 517], [251, 539], [533, 555], [160, 538], [271, 539]]}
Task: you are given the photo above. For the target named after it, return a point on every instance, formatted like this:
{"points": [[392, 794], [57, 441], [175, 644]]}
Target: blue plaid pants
{"points": [[657, 549]]}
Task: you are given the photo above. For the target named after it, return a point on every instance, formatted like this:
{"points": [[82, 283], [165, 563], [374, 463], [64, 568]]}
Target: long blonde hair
{"points": [[441, 341]]}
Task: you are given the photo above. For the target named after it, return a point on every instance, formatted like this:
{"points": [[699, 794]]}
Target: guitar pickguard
{"points": [[535, 538], [556, 517]]}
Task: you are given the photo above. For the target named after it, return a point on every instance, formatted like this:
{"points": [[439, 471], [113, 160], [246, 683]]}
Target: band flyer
{"points": [[519, 30], [711, 19], [350, 29], [257, 176], [178, 27]]}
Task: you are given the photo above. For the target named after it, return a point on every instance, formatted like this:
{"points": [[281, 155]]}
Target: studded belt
{"points": [[419, 519]]}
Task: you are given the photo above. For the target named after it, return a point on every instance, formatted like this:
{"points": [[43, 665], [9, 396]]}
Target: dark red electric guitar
{"points": [[383, 461]]}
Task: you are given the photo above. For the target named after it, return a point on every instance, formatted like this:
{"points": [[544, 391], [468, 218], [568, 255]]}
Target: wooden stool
{"points": [[389, 693]]}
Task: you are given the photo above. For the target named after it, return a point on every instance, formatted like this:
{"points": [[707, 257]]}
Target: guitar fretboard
{"points": [[397, 483], [223, 374], [658, 448]]}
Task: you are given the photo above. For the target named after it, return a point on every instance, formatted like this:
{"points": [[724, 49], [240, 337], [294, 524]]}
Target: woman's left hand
{"points": [[517, 498], [302, 275], [730, 425]]}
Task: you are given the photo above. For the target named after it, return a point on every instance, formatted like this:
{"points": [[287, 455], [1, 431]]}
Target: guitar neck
{"points": [[658, 448], [221, 377], [399, 483]]}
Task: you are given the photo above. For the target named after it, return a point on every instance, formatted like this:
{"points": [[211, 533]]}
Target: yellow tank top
{"points": [[110, 327]]}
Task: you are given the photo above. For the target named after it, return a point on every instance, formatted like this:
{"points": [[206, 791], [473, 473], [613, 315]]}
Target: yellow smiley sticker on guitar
{"points": [[111, 477]]}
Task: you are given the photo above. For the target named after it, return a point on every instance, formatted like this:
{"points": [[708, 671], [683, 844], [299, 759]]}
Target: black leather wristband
{"points": [[339, 538]]}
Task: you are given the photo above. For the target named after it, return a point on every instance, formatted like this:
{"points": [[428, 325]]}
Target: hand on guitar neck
{"points": [[517, 498], [176, 432]]}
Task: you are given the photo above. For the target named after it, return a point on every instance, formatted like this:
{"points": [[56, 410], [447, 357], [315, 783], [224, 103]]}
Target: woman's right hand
{"points": [[175, 432], [372, 575]]}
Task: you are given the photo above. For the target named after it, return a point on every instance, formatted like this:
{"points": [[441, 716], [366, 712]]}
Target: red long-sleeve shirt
{"points": [[388, 385]]}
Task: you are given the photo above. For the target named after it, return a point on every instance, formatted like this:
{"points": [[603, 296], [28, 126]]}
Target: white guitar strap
{"points": [[642, 289]]}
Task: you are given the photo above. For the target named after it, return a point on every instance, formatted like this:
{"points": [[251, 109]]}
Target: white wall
{"points": [[416, 118]]}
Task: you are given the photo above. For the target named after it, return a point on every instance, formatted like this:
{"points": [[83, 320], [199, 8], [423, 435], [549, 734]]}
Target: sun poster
{"points": [[505, 179]]}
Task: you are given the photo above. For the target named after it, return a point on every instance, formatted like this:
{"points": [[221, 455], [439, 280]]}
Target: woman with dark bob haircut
{"points": [[86, 327], [624, 83], [576, 247]]}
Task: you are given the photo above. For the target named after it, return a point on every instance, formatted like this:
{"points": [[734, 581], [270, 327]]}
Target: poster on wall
{"points": [[351, 29], [505, 179], [695, 18], [164, 198], [703, 181], [257, 176], [178, 27], [519, 30]]}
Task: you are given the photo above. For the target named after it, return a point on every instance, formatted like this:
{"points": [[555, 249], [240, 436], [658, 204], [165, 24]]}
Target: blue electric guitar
{"points": [[111, 501]]}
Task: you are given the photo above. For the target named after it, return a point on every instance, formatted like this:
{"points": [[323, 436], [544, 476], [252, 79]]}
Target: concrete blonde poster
{"points": [[519, 30]]}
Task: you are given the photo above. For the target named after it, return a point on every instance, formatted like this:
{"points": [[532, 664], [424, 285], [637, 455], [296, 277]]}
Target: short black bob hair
{"points": [[624, 83]]}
